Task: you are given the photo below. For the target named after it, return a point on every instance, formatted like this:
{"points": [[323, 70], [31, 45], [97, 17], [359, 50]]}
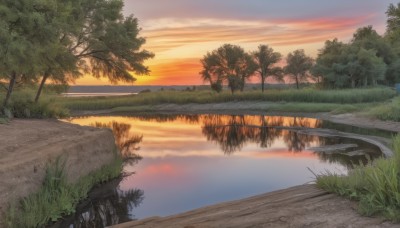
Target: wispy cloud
{"points": [[180, 32]]}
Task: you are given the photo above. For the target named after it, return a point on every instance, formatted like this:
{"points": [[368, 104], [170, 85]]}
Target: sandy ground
{"points": [[300, 206], [27, 146]]}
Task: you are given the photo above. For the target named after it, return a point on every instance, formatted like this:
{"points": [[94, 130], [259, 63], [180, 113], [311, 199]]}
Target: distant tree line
{"points": [[368, 59], [61, 40]]}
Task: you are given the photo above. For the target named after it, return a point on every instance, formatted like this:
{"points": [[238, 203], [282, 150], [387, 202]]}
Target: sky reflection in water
{"points": [[193, 161]]}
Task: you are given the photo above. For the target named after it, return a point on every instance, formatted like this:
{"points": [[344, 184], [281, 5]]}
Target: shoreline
{"points": [[30, 146], [245, 108], [299, 206], [187, 218]]}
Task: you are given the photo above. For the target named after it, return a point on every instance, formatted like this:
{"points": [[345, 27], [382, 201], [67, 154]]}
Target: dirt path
{"points": [[300, 206], [27, 146]]}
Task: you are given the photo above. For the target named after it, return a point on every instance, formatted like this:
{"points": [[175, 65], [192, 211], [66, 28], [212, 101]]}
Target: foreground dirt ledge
{"points": [[300, 206], [27, 146]]}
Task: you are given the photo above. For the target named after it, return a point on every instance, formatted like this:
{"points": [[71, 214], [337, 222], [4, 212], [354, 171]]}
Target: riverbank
{"points": [[28, 147], [300, 206]]}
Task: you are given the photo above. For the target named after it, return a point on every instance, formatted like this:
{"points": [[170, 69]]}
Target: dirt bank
{"points": [[27, 146], [300, 206]]}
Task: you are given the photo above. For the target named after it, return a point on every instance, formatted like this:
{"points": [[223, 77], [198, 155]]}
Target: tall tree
{"points": [[102, 42], [212, 72], [393, 21], [266, 58], [230, 64], [24, 36], [298, 66], [327, 57]]}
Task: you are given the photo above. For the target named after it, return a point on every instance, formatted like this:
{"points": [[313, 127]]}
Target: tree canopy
{"points": [[298, 66], [62, 39], [266, 59], [229, 64]]}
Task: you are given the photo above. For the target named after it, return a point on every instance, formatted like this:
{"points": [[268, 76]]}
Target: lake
{"points": [[190, 161]]}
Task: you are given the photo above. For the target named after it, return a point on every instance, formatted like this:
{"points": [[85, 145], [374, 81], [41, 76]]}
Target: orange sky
{"points": [[180, 38]]}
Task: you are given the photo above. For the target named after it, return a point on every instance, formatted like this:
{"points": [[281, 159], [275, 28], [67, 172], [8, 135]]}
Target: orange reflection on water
{"points": [[189, 135]]}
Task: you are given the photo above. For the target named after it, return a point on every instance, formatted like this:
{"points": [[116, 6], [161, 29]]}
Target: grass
{"points": [[350, 96], [22, 105], [388, 111], [3, 120], [57, 197], [376, 186], [276, 107]]}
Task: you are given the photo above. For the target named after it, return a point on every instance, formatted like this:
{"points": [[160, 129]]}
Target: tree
{"points": [[393, 22], [229, 63], [24, 36], [101, 41], [266, 58], [298, 66], [327, 56], [212, 72]]}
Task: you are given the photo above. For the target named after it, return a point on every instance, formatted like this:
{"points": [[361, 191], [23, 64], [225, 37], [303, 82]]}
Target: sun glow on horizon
{"points": [[179, 40]]}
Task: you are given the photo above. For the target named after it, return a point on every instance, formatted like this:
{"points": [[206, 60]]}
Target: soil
{"points": [[28, 146], [300, 206]]}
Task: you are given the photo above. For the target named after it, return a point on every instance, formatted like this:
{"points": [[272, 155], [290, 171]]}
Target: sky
{"points": [[181, 32]]}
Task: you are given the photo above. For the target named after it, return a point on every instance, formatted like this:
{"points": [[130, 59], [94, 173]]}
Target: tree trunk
{"points": [[9, 90], [242, 85], [297, 82], [262, 83], [353, 83], [42, 83]]}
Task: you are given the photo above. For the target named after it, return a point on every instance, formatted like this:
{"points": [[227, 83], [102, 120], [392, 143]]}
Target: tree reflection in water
{"points": [[105, 206], [232, 132], [126, 141]]}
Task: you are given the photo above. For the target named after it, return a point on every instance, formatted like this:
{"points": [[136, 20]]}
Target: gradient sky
{"points": [[180, 32]]}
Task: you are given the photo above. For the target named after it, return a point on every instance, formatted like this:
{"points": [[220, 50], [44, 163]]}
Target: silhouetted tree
{"points": [[266, 58], [298, 66]]}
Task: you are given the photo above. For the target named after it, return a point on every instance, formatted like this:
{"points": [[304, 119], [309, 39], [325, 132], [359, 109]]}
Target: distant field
{"points": [[137, 89]]}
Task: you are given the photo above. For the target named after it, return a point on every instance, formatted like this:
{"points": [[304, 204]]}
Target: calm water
{"points": [[197, 160]]}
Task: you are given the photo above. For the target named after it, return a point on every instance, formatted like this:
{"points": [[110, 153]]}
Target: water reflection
{"points": [[126, 141], [191, 161], [105, 206]]}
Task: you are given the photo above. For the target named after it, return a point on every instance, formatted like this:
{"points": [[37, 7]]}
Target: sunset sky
{"points": [[180, 32]]}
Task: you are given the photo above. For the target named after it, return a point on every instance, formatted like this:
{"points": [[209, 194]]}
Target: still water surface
{"points": [[190, 161]]}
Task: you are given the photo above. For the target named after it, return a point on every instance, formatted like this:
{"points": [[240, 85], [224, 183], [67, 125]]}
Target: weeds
{"points": [[387, 111], [22, 105], [376, 186], [57, 197], [351, 96]]}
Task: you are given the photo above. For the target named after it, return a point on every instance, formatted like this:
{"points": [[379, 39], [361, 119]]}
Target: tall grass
{"points": [[387, 111], [22, 105], [350, 96], [57, 197], [376, 186]]}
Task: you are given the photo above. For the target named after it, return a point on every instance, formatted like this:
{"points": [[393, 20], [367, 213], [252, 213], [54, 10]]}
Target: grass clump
{"points": [[22, 105], [389, 111], [376, 186], [349, 96], [57, 197]]}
